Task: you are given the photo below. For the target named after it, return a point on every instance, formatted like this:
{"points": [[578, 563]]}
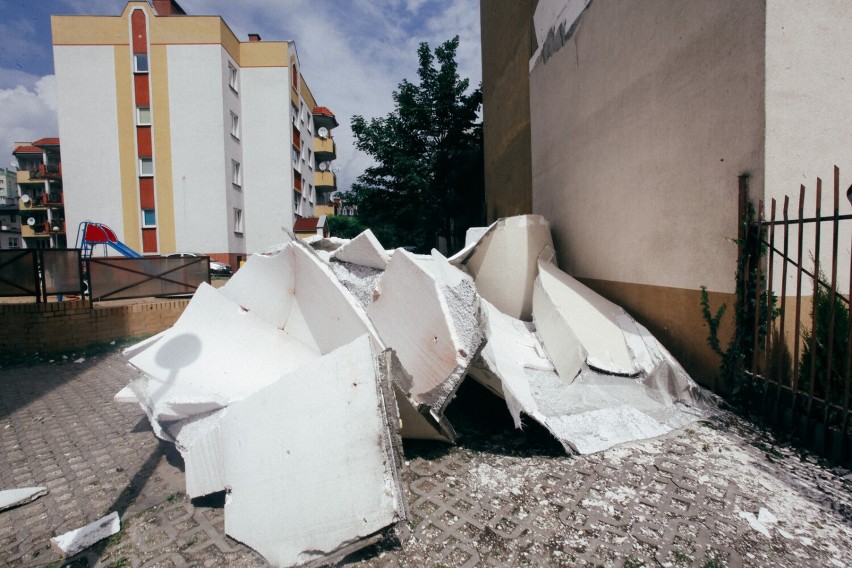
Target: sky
{"points": [[353, 54]]}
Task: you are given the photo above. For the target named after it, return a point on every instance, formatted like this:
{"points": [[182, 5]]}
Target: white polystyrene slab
{"points": [[594, 412], [217, 351], [331, 314], [75, 541], [265, 285], [592, 320], [200, 444], [503, 262], [13, 497], [309, 460], [432, 325], [363, 250]]}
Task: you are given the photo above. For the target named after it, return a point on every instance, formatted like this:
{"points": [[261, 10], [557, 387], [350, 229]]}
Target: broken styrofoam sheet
{"points": [[76, 541], [10, 498], [503, 262], [312, 460], [275, 314], [577, 326], [361, 281], [427, 311], [216, 353], [594, 412], [198, 440], [363, 250]]}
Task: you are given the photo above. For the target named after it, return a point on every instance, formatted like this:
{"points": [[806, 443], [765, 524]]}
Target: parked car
{"points": [[216, 267]]}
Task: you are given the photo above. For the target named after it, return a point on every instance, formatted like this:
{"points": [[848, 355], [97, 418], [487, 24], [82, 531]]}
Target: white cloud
{"points": [[27, 115]]}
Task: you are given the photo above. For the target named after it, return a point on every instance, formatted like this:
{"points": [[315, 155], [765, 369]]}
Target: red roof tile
{"points": [[306, 224], [27, 150], [323, 110], [47, 142]]}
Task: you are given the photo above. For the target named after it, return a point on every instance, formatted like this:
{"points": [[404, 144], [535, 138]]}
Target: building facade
{"points": [[179, 136], [40, 203], [10, 221], [643, 115]]}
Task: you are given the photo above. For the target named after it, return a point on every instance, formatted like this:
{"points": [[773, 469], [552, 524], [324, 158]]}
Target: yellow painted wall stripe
{"points": [[126, 117], [162, 148]]}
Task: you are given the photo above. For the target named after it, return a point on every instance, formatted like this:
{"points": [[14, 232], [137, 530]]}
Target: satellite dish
{"points": [[323, 166], [323, 132], [31, 221], [25, 198]]}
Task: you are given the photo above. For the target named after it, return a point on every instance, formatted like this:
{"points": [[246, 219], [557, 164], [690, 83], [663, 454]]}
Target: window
{"points": [[149, 218], [235, 126], [140, 62], [143, 116], [236, 173], [233, 78], [238, 220], [146, 167], [13, 242]]}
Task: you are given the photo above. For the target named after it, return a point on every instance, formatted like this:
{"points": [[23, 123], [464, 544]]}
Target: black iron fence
{"points": [[41, 273], [802, 354]]}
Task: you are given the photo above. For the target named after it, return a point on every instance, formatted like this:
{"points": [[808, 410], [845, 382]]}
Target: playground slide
{"points": [[91, 234]]}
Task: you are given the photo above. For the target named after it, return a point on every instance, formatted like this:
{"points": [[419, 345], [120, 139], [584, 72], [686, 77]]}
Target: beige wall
{"points": [[641, 123], [809, 115], [506, 41]]}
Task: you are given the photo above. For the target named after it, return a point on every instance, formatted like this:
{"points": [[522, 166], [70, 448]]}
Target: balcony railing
{"points": [[324, 149], [28, 202], [325, 180], [46, 171], [53, 199]]}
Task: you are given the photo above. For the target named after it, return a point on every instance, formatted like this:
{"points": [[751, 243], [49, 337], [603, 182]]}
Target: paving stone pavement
{"points": [[719, 493]]}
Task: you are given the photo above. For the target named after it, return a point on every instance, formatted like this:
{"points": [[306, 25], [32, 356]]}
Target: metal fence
{"points": [[41, 273], [802, 354]]}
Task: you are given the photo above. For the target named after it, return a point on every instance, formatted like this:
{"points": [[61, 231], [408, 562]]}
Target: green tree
{"points": [[428, 178]]}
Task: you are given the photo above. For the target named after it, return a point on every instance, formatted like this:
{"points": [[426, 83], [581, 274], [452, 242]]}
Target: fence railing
{"points": [[802, 354], [41, 273]]}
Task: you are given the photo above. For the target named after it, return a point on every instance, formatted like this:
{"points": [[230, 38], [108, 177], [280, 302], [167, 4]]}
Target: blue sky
{"points": [[353, 54]]}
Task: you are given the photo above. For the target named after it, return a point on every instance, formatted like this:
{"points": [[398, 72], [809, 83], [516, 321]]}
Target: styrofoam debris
{"points": [[363, 250], [437, 335], [503, 261], [310, 460], [75, 541], [591, 414], [13, 497]]}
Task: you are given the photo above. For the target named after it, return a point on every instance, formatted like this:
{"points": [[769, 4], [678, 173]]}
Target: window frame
{"points": [[145, 160], [235, 125], [233, 77], [137, 57], [145, 223], [236, 173], [139, 121], [239, 226]]}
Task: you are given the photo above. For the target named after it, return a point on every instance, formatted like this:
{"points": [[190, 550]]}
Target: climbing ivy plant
{"points": [[738, 355]]}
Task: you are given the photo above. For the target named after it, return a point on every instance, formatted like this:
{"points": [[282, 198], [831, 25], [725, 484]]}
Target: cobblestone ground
{"points": [[719, 493]]}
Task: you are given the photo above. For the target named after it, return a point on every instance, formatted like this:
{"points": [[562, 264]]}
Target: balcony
{"points": [[49, 171], [23, 176], [324, 118], [297, 139], [324, 149], [38, 229], [53, 199], [27, 202], [325, 181]]}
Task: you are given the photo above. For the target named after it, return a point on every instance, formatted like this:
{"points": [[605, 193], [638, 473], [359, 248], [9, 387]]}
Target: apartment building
{"points": [[181, 137], [40, 205], [10, 221]]}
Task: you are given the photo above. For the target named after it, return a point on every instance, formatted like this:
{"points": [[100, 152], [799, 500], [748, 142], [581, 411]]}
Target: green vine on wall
{"points": [[737, 357]]}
